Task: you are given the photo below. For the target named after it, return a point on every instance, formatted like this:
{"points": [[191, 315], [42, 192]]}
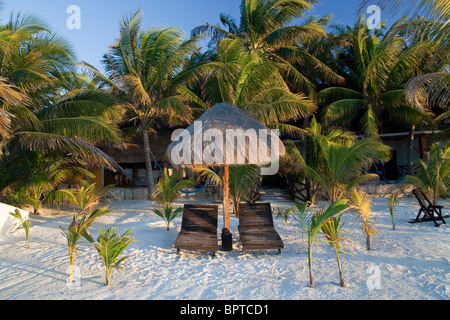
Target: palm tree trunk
{"points": [[368, 242], [148, 163], [410, 149], [311, 277], [341, 273]]}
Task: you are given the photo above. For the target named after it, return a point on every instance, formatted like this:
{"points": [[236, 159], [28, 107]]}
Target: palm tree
{"points": [[361, 202], [376, 70], [433, 175], [434, 86], [244, 79], [339, 160], [438, 10], [44, 101], [335, 232], [166, 191], [271, 28], [141, 69], [54, 119], [267, 27]]}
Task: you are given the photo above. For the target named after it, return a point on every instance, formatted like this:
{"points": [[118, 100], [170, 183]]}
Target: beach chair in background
{"points": [[256, 229], [198, 228], [429, 211]]}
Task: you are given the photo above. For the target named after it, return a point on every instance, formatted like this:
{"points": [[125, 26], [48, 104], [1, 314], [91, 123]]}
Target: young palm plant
{"points": [[335, 233], [166, 191], [35, 179], [393, 200], [339, 159], [25, 223], [110, 246], [311, 223], [433, 174], [77, 230], [363, 208]]}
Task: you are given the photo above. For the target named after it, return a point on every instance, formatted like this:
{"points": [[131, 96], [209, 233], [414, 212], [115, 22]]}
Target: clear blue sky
{"points": [[100, 18]]}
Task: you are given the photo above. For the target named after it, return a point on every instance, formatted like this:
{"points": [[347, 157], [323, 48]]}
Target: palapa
{"points": [[225, 135]]}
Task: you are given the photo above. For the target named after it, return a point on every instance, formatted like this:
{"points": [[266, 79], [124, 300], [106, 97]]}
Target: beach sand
{"points": [[410, 263]]}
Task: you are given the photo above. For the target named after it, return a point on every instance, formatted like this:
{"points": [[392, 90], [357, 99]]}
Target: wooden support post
{"points": [[226, 197], [227, 238]]}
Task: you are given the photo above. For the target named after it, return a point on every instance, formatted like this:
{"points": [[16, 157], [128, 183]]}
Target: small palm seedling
{"points": [[285, 214], [110, 246], [25, 223], [166, 191], [335, 232], [168, 214], [362, 205], [311, 223], [391, 203], [77, 230]]}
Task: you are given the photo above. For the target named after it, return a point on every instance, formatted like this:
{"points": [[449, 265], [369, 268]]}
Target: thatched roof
{"points": [[134, 152], [233, 126]]}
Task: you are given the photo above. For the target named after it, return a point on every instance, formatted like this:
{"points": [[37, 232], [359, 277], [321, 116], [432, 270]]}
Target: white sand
{"points": [[413, 262]]}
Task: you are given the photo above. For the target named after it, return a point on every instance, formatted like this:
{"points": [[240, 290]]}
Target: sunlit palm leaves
{"points": [[377, 71], [433, 174], [272, 29], [253, 84], [310, 224], [339, 160], [110, 246], [38, 80]]}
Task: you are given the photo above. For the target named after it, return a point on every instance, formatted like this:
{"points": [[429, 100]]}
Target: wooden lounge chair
{"points": [[256, 229], [430, 212], [198, 228]]}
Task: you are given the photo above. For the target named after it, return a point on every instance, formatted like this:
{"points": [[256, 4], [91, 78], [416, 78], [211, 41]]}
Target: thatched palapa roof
{"points": [[251, 141]]}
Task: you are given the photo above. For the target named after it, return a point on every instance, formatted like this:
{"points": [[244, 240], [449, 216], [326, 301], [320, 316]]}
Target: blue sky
{"points": [[100, 18]]}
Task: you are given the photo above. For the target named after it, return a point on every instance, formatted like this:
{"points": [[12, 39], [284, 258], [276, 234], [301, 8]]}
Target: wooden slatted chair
{"points": [[256, 229], [198, 228], [429, 211]]}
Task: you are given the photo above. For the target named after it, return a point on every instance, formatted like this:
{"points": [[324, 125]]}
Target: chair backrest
{"points": [[255, 214], [198, 217], [420, 196]]}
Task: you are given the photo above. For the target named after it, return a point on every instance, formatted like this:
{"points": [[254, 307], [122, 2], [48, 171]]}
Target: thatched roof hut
{"points": [[225, 135], [244, 140]]}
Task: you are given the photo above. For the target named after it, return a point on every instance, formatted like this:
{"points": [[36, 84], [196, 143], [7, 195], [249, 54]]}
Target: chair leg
{"points": [[279, 251], [178, 252], [439, 213], [418, 216]]}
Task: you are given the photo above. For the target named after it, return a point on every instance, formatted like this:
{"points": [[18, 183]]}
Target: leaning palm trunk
{"points": [[410, 150], [148, 163]]}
